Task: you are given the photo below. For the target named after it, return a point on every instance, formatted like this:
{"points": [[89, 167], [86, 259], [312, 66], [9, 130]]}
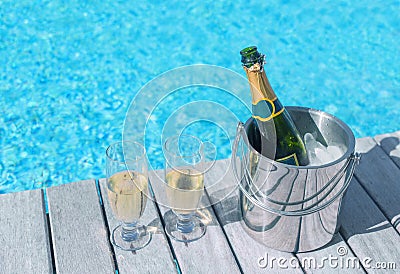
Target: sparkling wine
{"points": [[185, 187], [272, 132], [127, 192]]}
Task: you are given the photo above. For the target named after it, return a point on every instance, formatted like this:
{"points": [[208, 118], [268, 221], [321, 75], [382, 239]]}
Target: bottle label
{"points": [[261, 107], [289, 160]]}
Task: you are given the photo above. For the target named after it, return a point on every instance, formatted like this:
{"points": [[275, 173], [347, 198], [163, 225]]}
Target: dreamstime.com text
{"points": [[337, 261]]}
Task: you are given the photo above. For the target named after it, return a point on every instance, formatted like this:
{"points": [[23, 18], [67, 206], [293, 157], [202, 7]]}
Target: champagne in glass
{"points": [[184, 178], [127, 193], [127, 188], [185, 190]]}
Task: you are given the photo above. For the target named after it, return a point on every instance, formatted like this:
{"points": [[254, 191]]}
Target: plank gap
{"points": [[99, 192], [53, 262], [299, 262], [46, 205], [48, 230]]}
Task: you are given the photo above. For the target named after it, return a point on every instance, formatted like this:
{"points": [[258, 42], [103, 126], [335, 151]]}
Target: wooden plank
{"points": [[367, 231], [380, 177], [24, 239], [209, 254], [156, 257], [78, 230], [252, 255], [390, 143]]}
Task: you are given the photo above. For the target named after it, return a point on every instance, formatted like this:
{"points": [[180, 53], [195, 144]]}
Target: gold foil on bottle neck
{"points": [[259, 85], [255, 68]]}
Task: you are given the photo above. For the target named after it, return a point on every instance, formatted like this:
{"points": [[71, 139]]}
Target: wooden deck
{"points": [[73, 237]]}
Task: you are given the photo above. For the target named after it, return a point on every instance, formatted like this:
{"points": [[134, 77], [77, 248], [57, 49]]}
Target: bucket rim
{"points": [[349, 134]]}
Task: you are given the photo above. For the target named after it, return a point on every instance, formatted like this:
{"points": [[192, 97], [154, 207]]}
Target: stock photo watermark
{"points": [[340, 260]]}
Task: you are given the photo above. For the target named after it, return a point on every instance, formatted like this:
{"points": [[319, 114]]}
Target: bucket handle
{"points": [[352, 161], [239, 130]]}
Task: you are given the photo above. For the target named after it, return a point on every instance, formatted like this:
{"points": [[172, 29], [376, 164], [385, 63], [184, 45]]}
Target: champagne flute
{"points": [[184, 176], [127, 188]]}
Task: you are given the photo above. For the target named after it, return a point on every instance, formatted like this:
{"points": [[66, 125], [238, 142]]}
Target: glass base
{"points": [[179, 231], [130, 240]]}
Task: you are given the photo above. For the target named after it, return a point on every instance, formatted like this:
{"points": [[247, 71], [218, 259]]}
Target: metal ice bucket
{"points": [[294, 208]]}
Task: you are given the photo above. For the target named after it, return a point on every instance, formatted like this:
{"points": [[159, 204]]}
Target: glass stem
{"points": [[185, 223], [130, 232]]}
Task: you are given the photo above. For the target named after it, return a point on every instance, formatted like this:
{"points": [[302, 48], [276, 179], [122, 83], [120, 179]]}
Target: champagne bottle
{"points": [[272, 132]]}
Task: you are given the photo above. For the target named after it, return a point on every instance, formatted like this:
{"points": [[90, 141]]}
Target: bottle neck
{"points": [[260, 87]]}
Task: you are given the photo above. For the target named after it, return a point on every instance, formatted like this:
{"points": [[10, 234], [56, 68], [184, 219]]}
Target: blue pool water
{"points": [[69, 70]]}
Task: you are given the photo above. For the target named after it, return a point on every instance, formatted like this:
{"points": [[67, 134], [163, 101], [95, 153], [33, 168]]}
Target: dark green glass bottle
{"points": [[273, 132]]}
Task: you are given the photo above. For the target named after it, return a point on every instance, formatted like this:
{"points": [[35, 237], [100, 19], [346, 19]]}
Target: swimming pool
{"points": [[70, 69]]}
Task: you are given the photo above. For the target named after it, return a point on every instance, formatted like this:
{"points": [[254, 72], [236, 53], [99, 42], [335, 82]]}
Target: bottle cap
{"points": [[251, 56]]}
